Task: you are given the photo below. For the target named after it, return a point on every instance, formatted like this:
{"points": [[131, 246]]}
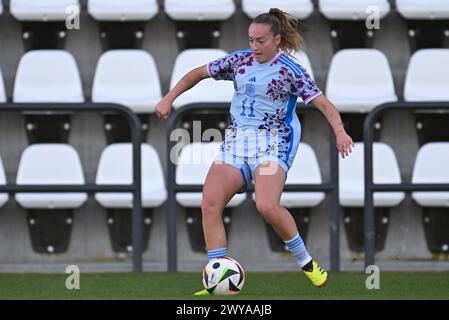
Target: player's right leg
{"points": [[222, 182]]}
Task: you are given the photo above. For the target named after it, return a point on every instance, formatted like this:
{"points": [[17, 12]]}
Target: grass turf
{"points": [[258, 285]]}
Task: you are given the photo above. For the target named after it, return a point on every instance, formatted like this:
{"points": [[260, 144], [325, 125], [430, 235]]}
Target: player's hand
{"points": [[344, 143], [163, 109]]}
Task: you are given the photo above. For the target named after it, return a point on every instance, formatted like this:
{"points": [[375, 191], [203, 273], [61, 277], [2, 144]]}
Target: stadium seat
{"points": [[48, 76], [3, 97], [122, 23], [300, 9], [1, 8], [431, 167], [352, 9], [43, 10], [427, 81], [128, 77], [50, 215], [115, 167], [427, 22], [192, 167], [198, 21], [358, 81], [118, 10], [207, 91], [44, 21], [3, 196], [199, 10], [430, 9], [352, 194], [304, 170], [349, 20]]}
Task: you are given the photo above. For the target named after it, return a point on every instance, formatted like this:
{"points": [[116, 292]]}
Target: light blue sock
{"points": [[217, 253], [297, 248]]}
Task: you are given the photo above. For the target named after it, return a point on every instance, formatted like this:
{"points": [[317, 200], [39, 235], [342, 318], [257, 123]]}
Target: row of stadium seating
{"points": [[198, 23], [50, 164], [109, 10], [130, 77]]}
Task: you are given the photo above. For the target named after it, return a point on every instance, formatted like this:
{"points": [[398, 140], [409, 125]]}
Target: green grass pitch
{"points": [[258, 285]]}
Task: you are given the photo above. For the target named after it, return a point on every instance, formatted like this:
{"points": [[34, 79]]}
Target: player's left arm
{"points": [[344, 141]]}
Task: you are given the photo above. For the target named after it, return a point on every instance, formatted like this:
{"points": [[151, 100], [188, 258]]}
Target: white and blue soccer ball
{"points": [[223, 276]]}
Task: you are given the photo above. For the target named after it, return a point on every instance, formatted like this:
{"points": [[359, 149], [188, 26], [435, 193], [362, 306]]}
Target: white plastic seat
{"points": [[208, 90], [50, 164], [352, 9], [192, 168], [300, 9], [1, 8], [119, 10], [48, 76], [2, 88], [431, 166], [385, 171], [42, 10], [127, 77], [304, 170], [427, 76], [422, 10], [199, 10], [359, 80], [3, 196], [115, 167]]}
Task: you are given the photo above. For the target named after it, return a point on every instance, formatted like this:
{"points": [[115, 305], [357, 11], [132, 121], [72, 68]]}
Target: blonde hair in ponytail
{"points": [[286, 26]]}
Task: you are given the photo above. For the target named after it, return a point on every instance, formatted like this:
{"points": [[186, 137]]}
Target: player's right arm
{"points": [[188, 81]]}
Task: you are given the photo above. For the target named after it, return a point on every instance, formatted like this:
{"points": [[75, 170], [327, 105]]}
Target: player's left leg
{"points": [[269, 183]]}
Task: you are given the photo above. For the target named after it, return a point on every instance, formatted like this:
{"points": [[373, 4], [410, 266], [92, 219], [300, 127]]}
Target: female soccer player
{"points": [[263, 136]]}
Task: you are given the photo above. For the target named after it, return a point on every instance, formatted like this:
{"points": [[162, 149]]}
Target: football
{"points": [[223, 276]]}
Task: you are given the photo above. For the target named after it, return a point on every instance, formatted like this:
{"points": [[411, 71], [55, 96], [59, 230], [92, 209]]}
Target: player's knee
{"points": [[268, 209], [210, 206]]}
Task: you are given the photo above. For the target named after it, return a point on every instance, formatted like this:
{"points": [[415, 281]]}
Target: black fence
{"points": [[370, 187], [329, 187], [134, 187]]}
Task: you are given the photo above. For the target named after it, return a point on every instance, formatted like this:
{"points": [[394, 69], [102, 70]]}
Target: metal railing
{"points": [[329, 187], [135, 187], [370, 187]]}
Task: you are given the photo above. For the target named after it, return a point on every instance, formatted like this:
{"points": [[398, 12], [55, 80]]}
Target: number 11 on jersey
{"points": [[251, 108]]}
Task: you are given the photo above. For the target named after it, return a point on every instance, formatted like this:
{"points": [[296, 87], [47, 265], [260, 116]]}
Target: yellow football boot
{"points": [[202, 293], [317, 276]]}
